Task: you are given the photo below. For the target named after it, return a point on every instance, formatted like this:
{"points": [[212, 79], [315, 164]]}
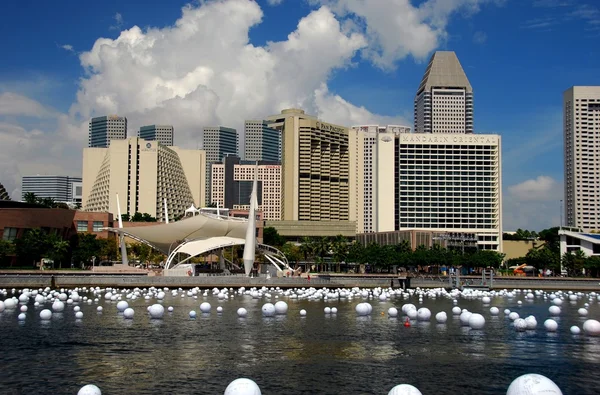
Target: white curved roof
{"points": [[197, 247], [166, 237]]}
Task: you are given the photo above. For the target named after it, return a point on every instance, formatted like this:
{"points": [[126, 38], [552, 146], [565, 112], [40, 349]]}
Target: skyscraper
{"points": [[60, 188], [374, 169], [161, 133], [581, 124], [262, 141], [104, 129], [314, 167], [444, 100], [217, 142]]}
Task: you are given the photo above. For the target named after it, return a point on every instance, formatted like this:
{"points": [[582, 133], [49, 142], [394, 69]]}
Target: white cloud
{"points": [[13, 104], [533, 204], [274, 2], [398, 29], [67, 47], [118, 18], [479, 37]]}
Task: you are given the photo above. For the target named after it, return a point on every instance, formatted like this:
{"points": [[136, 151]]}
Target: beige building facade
{"points": [[314, 167], [581, 123], [143, 174], [373, 175]]}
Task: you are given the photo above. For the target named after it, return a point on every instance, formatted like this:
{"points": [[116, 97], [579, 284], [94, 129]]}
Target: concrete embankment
{"points": [[35, 279]]}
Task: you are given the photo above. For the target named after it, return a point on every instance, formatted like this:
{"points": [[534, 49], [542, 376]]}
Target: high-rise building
{"points": [[451, 184], [582, 159], [232, 181], [444, 100], [262, 141], [314, 167], [3, 193], [161, 133], [143, 174], [217, 141], [374, 167], [60, 188], [104, 129]]}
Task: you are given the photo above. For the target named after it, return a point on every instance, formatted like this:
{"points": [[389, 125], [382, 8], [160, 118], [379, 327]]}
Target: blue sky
{"points": [[519, 56]]}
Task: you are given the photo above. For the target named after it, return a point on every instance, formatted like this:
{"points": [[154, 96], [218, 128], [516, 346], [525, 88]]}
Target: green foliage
{"points": [[6, 249], [542, 258], [272, 237], [125, 217], [31, 198], [552, 239], [87, 246], [142, 217], [521, 234]]}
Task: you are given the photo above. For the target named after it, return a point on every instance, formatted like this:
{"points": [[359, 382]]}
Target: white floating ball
{"points": [[302, 313], [591, 327], [45, 314], [486, 300], [575, 330], [281, 307], [412, 314], [79, 315], [362, 309], [582, 312], [404, 389], [122, 305], [393, 312], [160, 296], [456, 310], [170, 309], [108, 295], [89, 389], [513, 316], [58, 306], [506, 311], [9, 304], [192, 314], [334, 310], [22, 317], [205, 307], [242, 387], [550, 325], [476, 321], [554, 310], [128, 313], [423, 314], [242, 312], [39, 298], [219, 309], [464, 318], [441, 317], [533, 384], [494, 311], [557, 301], [531, 322], [23, 298], [23, 309], [99, 309], [156, 311], [268, 310], [327, 310], [520, 324]]}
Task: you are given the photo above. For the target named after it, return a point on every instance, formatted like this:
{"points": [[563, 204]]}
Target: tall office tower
{"points": [[582, 159], [451, 184], [104, 129], [217, 142], [444, 100], [262, 142], [314, 168], [232, 181], [143, 174], [60, 188], [374, 167], [161, 133]]}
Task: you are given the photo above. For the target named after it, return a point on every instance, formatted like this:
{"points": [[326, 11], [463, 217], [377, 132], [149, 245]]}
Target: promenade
{"points": [[71, 279]]}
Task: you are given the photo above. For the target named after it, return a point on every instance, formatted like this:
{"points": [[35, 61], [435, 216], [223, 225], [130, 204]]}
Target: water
{"points": [[318, 354]]}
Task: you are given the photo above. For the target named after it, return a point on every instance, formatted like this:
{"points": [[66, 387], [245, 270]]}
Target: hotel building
{"points": [[581, 122], [314, 168], [104, 129], [161, 133], [143, 174], [262, 142], [217, 141]]}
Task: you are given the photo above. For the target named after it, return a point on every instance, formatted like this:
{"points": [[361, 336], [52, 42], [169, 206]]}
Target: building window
{"points": [[98, 225], [82, 226], [10, 234]]}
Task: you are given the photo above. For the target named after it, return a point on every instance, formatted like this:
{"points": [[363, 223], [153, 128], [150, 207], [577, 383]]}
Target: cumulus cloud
{"points": [[533, 204], [400, 29], [13, 104]]}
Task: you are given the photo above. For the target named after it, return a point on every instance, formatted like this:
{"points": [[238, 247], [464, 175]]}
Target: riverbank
{"points": [[71, 279]]}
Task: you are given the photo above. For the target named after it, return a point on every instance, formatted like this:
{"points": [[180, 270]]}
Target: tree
{"points": [[272, 237], [31, 247], [47, 202], [108, 249], [57, 249], [573, 262], [592, 265], [30, 198], [6, 249], [148, 218], [87, 247], [306, 248], [142, 217], [292, 252], [125, 217], [552, 239], [356, 253], [339, 248]]}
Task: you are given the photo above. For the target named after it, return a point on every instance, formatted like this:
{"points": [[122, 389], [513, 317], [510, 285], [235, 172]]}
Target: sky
{"points": [[351, 62]]}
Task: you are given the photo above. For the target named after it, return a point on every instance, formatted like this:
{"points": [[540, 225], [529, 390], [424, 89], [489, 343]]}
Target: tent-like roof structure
{"points": [[165, 237]]}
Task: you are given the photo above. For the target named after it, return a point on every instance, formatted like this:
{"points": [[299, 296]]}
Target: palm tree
{"points": [[30, 198], [339, 247], [321, 248]]}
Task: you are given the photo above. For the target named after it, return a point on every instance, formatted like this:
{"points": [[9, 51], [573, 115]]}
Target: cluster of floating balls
{"points": [[527, 384]]}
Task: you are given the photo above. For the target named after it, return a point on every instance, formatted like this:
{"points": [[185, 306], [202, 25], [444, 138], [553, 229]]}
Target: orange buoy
{"points": [[407, 322]]}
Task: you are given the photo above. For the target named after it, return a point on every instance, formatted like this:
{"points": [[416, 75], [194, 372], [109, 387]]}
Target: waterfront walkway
{"points": [[70, 279]]}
